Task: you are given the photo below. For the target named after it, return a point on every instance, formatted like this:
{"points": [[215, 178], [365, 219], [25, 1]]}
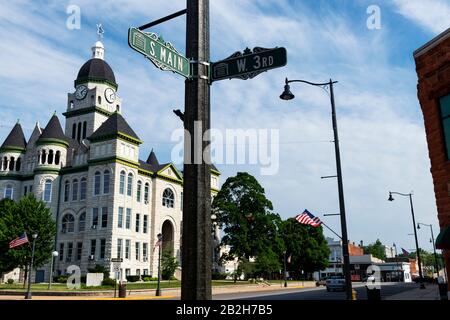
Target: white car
{"points": [[335, 283]]}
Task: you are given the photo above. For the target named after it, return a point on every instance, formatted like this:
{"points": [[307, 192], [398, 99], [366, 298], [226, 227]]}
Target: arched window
{"points": [[11, 163], [139, 191], [82, 222], [147, 186], [97, 178], [106, 181], [84, 129], [5, 163], [168, 198], [44, 157], [74, 131], [8, 192], [57, 157], [50, 157], [99, 99], [130, 184], [66, 191], [18, 164], [68, 223], [79, 132], [83, 186], [122, 183], [71, 104], [117, 108], [75, 190], [47, 195]]}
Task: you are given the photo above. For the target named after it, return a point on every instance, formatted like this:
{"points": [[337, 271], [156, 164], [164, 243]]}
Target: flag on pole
{"points": [[20, 240], [289, 258], [406, 253], [157, 244], [308, 218]]}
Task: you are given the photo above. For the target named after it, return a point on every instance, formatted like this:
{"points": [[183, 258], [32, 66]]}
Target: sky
{"points": [[381, 130]]}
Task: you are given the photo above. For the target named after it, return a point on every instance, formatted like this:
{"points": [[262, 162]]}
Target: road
{"points": [[387, 289]]}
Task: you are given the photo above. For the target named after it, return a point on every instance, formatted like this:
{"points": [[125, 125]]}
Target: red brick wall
{"points": [[433, 71]]}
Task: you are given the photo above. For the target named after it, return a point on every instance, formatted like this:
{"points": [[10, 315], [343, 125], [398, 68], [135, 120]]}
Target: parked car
{"points": [[334, 283], [321, 282]]}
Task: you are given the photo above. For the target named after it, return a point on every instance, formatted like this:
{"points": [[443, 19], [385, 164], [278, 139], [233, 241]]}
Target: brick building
{"points": [[433, 71]]}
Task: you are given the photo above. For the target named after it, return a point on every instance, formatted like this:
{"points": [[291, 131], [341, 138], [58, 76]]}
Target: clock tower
{"points": [[94, 99]]}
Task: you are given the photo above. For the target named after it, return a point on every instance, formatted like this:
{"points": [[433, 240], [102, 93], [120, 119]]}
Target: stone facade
{"points": [[107, 203]]}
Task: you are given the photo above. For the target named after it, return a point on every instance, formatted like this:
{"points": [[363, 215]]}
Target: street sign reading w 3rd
{"points": [[163, 55]]}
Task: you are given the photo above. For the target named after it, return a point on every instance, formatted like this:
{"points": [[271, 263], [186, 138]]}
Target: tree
{"points": [[376, 249], [168, 264], [306, 246], [31, 216], [244, 214]]}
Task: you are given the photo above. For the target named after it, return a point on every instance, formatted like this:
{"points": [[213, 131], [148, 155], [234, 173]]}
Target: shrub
{"points": [[109, 282], [133, 278], [10, 281], [98, 268], [60, 279], [146, 278], [219, 276]]}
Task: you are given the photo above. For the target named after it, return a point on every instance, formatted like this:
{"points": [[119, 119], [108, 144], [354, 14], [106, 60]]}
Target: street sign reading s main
{"points": [[163, 55], [248, 64]]}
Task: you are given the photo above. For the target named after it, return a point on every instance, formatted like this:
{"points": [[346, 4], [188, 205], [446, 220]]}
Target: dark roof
{"points": [[113, 125], [214, 167], [53, 130], [16, 138], [151, 167], [96, 69], [152, 159]]}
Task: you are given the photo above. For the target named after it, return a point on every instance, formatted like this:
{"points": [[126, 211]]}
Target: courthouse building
{"points": [[107, 202]]}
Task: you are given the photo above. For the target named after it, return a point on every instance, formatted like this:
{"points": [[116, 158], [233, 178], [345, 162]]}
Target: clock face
{"points": [[81, 92], [110, 95]]}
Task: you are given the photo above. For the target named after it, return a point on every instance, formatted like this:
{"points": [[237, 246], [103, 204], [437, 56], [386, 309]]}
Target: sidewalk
{"points": [[431, 292]]}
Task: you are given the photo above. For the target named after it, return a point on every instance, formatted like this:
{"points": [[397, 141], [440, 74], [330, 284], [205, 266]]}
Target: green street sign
{"points": [[248, 64], [163, 55]]}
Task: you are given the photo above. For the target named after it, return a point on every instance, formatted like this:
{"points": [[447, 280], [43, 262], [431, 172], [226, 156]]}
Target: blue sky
{"points": [[383, 145]]}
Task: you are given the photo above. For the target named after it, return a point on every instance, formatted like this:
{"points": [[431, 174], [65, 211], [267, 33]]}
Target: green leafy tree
{"points": [[168, 264], [244, 214], [31, 216], [376, 249], [306, 246]]}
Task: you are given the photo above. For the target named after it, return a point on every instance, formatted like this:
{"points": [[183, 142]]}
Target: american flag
{"points": [[157, 244], [20, 240], [308, 218]]}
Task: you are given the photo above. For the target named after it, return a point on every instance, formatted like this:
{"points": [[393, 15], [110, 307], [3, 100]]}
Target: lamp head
{"points": [[34, 235], [287, 94], [159, 236], [55, 253], [390, 197], [418, 226]]}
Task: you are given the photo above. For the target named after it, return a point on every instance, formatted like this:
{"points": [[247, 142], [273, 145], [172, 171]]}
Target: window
{"points": [[25, 189], [139, 191], [106, 179], [79, 132], [127, 272], [145, 272], [128, 219], [120, 219], [127, 249], [75, 190], [138, 272], [44, 156], [57, 157], [93, 247], [83, 189], [138, 222], [445, 118], [104, 217], [31, 189], [69, 252], [8, 192], [61, 251], [168, 198], [144, 251], [99, 100], [84, 129], [82, 222], [144, 227], [50, 157], [146, 192], [122, 183], [79, 250], [66, 191], [130, 185], [68, 223], [48, 190], [138, 253], [102, 248], [94, 218], [119, 248], [97, 178], [74, 130]]}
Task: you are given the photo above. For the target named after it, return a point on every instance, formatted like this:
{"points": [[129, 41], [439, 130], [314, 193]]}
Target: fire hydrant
{"points": [[354, 294]]}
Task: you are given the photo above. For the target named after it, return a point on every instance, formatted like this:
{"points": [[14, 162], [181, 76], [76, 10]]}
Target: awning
{"points": [[443, 239]]}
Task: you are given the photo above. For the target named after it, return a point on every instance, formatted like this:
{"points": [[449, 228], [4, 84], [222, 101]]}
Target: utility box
{"points": [[122, 290], [443, 291]]}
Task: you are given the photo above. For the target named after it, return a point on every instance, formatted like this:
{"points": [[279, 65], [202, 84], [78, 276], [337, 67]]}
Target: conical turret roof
{"points": [[15, 139]]}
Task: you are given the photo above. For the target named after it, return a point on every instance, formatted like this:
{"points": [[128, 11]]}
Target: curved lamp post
{"points": [[422, 285], [287, 95], [28, 293], [54, 255], [434, 246], [158, 289]]}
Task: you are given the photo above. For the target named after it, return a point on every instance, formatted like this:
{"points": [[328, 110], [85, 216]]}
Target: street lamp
{"points": [[434, 246], [54, 255], [158, 289], [284, 258], [28, 293], [422, 285], [287, 95]]}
